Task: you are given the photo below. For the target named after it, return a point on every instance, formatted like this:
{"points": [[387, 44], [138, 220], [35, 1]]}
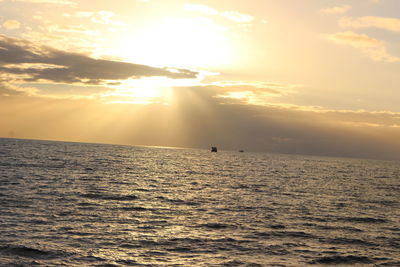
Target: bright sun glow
{"points": [[184, 42]]}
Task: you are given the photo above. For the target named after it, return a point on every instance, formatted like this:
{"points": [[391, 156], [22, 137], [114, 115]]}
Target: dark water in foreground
{"points": [[71, 204]]}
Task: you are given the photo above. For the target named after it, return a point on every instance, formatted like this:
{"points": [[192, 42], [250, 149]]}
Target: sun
{"points": [[191, 42], [196, 43]]}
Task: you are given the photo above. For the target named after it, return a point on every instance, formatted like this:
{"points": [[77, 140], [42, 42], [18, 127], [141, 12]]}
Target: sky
{"points": [[317, 77]]}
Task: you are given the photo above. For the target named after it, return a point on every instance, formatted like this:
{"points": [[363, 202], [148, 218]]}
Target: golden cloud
{"points": [[336, 9], [389, 24], [11, 24], [371, 47]]}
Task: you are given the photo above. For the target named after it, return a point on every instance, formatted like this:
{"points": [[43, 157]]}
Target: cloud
{"points": [[238, 17], [336, 10], [7, 90], [201, 9], [249, 93], [231, 15], [105, 17], [67, 67], [389, 24], [373, 48], [54, 2], [11, 24], [99, 17], [62, 28]]}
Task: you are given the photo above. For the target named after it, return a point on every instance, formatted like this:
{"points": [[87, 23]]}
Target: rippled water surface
{"points": [[74, 204]]}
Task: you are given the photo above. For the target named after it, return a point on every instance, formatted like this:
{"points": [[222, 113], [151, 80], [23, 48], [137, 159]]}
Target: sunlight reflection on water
{"points": [[90, 204]]}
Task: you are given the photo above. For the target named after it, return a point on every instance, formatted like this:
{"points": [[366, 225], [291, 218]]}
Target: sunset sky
{"points": [[289, 76]]}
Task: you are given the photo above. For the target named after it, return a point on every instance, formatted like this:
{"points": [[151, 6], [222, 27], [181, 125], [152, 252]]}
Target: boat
{"points": [[214, 149], [241, 150]]}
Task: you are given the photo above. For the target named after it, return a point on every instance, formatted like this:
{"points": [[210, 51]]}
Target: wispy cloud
{"points": [[237, 16], [230, 15], [55, 2], [201, 8], [105, 17], [8, 90], [63, 28], [11, 24], [99, 17], [336, 10], [373, 48], [389, 24], [250, 93], [67, 67]]}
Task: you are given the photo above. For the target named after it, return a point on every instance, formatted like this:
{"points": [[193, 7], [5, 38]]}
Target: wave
{"points": [[350, 259], [179, 201], [348, 241], [128, 262], [362, 219], [389, 264], [217, 225], [110, 197], [134, 209], [23, 251], [240, 263], [339, 228], [291, 234]]}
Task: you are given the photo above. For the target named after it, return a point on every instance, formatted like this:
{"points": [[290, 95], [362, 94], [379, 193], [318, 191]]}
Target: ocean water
{"points": [[76, 204]]}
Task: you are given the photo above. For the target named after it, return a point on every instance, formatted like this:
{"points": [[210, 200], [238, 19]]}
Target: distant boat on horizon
{"points": [[214, 149], [241, 150]]}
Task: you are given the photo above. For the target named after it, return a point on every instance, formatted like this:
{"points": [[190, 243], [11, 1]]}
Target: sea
{"points": [[81, 204]]}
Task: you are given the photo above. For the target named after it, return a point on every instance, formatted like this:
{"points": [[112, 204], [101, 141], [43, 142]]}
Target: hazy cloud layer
{"points": [[196, 118], [70, 67], [389, 24]]}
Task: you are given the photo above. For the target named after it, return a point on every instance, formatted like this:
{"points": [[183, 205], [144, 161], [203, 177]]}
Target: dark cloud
{"points": [[68, 67]]}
